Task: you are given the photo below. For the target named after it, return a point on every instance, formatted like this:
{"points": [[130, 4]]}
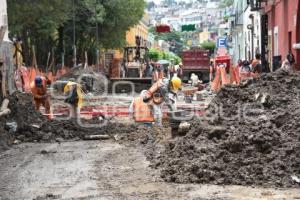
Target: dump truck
{"points": [[196, 61]]}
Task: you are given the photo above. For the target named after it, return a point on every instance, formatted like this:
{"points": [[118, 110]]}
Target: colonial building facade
{"points": [[283, 24], [269, 27]]}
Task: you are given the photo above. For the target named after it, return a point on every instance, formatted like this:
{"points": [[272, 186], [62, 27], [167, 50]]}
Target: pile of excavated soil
{"points": [[249, 136], [31, 126]]}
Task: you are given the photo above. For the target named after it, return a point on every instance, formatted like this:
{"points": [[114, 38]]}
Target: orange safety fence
{"points": [[225, 79], [234, 75], [50, 76], [60, 73], [216, 84], [22, 79], [18, 79], [26, 78], [33, 72]]}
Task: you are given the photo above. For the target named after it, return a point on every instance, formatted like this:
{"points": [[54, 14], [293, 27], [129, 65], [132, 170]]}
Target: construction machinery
{"points": [[133, 66]]}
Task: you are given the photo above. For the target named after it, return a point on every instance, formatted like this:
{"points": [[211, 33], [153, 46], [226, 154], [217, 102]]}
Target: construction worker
{"points": [[141, 111], [157, 73], [39, 91], [74, 96], [194, 80], [162, 91]]}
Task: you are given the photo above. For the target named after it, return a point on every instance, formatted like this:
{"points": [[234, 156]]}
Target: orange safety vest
{"points": [[142, 111], [39, 91]]}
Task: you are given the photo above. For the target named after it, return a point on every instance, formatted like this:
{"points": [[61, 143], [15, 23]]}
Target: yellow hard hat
{"points": [[176, 83]]}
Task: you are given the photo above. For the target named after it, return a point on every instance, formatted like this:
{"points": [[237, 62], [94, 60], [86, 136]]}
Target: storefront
{"points": [[283, 29]]}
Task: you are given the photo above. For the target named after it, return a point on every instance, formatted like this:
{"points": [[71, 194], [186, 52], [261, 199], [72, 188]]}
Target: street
{"points": [[150, 99], [103, 170]]}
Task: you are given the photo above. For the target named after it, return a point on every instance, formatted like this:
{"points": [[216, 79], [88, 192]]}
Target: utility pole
{"points": [[74, 37]]}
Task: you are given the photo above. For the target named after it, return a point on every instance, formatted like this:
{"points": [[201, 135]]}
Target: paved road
{"points": [[102, 170]]}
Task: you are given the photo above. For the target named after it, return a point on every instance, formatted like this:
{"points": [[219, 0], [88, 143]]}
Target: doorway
{"points": [[290, 41]]}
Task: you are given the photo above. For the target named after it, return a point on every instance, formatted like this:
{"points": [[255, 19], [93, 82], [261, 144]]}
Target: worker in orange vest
{"points": [[40, 95], [141, 111], [160, 93]]}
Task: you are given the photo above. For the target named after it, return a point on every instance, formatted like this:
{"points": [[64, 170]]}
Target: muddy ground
{"points": [[261, 150], [103, 170], [250, 135], [25, 124]]}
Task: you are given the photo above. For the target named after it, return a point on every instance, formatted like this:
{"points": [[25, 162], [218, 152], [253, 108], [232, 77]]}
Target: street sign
{"points": [[222, 42]]}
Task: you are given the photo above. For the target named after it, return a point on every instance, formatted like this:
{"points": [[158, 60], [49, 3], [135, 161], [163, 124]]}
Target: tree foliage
{"points": [[48, 24], [155, 55], [173, 38], [208, 45]]}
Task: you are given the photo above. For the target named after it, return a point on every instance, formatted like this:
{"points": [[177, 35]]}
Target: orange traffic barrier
{"points": [[50, 76], [225, 80], [26, 78], [234, 75], [216, 84]]}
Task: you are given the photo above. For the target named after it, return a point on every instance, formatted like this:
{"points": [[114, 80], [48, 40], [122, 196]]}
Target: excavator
{"points": [[133, 64]]}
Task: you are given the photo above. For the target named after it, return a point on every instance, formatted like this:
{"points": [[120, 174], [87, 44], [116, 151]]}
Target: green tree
{"points": [[49, 23], [208, 45], [36, 22], [173, 38], [153, 54]]}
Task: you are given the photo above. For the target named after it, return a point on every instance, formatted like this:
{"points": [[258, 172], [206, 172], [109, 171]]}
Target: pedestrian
{"points": [[161, 92], [180, 71], [212, 70], [289, 62], [74, 97], [245, 68], [257, 60], [40, 94], [149, 69], [172, 71], [157, 73], [141, 111], [256, 64]]}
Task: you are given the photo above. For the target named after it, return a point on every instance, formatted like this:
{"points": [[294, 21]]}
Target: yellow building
{"points": [[141, 30], [114, 58], [204, 36]]}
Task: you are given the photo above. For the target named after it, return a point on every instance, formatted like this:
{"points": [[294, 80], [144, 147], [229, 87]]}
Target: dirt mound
{"points": [[27, 125], [250, 136]]}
